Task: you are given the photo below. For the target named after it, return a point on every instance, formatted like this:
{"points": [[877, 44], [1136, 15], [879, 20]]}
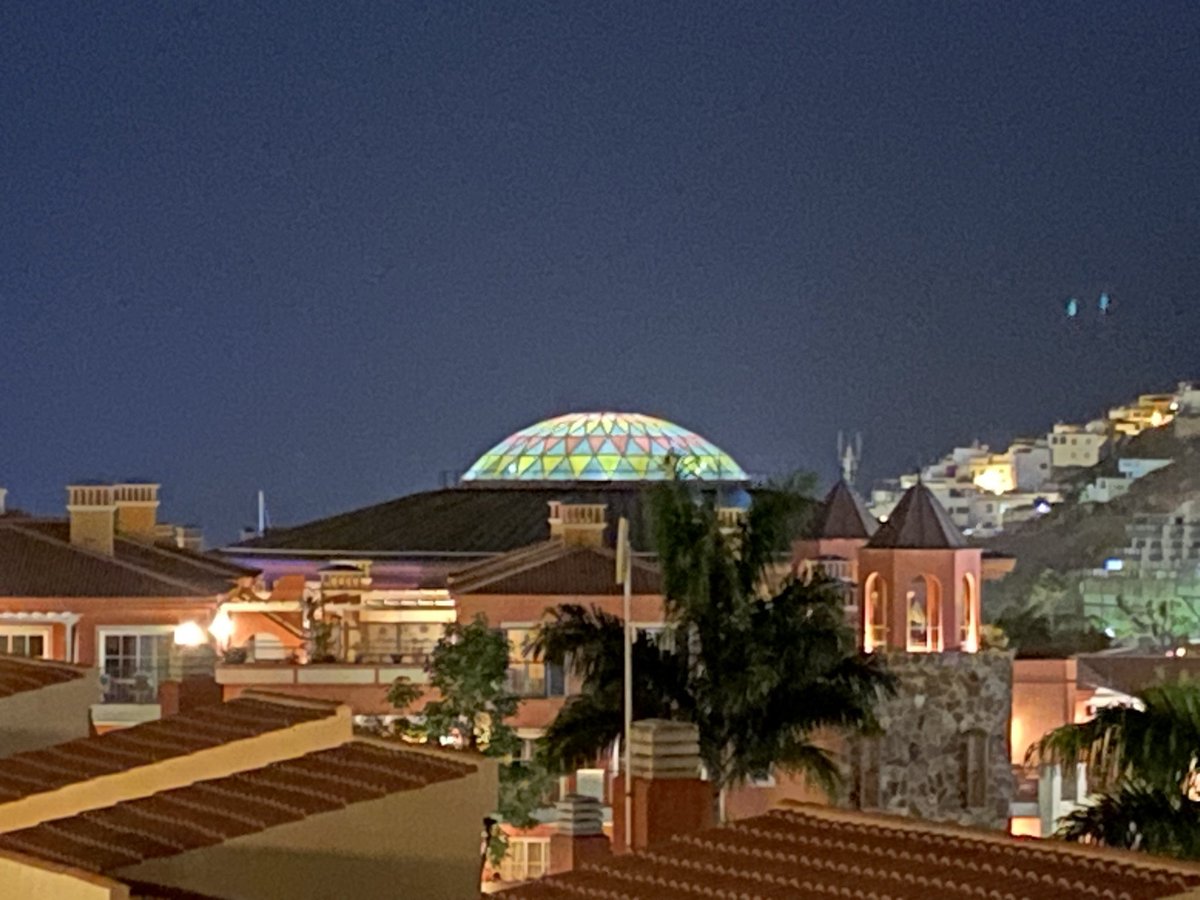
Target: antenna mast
{"points": [[849, 455]]}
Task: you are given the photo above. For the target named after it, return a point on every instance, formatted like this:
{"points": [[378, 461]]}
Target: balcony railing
{"points": [[140, 686]]}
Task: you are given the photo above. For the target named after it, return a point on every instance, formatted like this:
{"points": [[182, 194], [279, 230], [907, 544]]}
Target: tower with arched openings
{"points": [[918, 581]]}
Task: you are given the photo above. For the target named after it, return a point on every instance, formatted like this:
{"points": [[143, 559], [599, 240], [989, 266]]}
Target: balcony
{"points": [[362, 685]]}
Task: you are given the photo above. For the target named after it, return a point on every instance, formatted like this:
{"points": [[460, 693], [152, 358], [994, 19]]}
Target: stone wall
{"points": [[944, 751]]}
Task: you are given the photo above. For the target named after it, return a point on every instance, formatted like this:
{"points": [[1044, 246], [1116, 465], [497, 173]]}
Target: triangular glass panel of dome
{"points": [[552, 463], [553, 446], [609, 462], [607, 447], [571, 443], [524, 462], [624, 469], [643, 443], [620, 442], [578, 427], [578, 464], [639, 464], [593, 469], [596, 442]]}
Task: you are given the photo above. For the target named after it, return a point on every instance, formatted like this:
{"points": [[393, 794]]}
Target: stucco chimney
{"points": [[92, 511], [579, 524], [578, 833], [669, 797], [137, 510]]}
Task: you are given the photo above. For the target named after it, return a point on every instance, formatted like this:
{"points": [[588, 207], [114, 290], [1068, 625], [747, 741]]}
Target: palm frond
{"points": [[1138, 817]]}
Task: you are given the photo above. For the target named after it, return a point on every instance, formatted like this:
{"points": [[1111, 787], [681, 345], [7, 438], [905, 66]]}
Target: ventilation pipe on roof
{"points": [[3, 494]]}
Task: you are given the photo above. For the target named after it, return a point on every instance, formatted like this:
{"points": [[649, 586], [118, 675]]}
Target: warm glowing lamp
{"points": [[189, 634], [222, 627]]}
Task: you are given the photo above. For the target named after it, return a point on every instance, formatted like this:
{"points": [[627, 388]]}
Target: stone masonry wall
{"points": [[944, 752]]}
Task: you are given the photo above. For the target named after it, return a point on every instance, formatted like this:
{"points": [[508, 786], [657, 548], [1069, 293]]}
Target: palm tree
{"points": [[1144, 759], [758, 663]]}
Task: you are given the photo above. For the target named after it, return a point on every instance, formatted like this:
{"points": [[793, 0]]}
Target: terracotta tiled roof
{"points": [[18, 675], [37, 559], [553, 567], [211, 812], [248, 716], [919, 522], [843, 515], [811, 852]]}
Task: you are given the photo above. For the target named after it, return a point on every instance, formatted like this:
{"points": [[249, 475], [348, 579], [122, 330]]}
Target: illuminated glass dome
{"points": [[603, 446]]}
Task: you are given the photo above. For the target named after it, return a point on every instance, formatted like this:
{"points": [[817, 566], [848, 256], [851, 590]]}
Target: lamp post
{"points": [[625, 578]]}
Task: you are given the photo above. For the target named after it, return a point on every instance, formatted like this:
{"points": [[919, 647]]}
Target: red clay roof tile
{"points": [[211, 812], [810, 852], [18, 675], [75, 761]]}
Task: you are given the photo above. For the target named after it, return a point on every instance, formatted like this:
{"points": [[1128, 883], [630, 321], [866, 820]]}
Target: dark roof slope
{"points": [[211, 812], [251, 715], [918, 522], [18, 674], [812, 852], [37, 559], [1134, 671], [843, 515], [553, 567], [460, 520]]}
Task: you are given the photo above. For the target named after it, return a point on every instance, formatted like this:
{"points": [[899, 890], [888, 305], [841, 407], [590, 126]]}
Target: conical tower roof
{"points": [[919, 522], [843, 515]]}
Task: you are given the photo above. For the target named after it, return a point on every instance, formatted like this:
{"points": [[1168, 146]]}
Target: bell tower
{"points": [[919, 581]]}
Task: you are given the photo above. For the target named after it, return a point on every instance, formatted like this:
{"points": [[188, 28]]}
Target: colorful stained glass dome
{"points": [[603, 446]]}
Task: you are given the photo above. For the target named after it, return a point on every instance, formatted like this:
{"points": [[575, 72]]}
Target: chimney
{"points": [[578, 524], [92, 511], [137, 510], [3, 494], [669, 797], [578, 834]]}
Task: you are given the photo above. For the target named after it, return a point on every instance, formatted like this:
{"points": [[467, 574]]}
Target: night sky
{"points": [[334, 249]]}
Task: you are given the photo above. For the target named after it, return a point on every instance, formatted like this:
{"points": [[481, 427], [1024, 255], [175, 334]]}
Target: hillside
{"points": [[1077, 536]]}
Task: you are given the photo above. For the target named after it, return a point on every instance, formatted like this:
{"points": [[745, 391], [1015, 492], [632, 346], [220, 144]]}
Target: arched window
{"points": [[923, 602], [967, 618], [875, 612]]}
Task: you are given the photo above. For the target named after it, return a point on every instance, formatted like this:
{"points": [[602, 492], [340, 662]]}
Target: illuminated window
{"points": [[25, 640], [875, 614], [969, 633], [133, 661], [924, 615], [530, 677], [527, 858]]}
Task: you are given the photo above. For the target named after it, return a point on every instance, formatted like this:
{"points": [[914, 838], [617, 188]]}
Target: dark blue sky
{"points": [[332, 249]]}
